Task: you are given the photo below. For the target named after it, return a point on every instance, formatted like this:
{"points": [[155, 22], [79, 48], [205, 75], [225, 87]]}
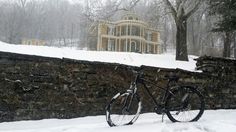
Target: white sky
{"points": [[76, 1], [71, 1]]}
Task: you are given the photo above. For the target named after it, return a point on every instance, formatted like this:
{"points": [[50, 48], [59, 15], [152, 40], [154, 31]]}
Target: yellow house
{"points": [[33, 42], [129, 34]]}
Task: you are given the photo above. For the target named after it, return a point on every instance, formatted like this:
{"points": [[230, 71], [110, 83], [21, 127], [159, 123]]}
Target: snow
{"points": [[211, 121], [134, 59]]}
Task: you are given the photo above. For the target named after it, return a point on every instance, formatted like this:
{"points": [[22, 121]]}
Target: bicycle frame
{"points": [[140, 80], [174, 100]]}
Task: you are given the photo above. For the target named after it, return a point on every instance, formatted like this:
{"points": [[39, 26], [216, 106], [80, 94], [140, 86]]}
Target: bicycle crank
{"points": [[159, 110]]}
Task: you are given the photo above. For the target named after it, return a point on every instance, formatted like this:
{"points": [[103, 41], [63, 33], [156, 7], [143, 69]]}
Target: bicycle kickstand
{"points": [[162, 119]]}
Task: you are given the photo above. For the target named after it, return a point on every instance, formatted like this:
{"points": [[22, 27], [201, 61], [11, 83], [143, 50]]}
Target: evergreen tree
{"points": [[225, 10]]}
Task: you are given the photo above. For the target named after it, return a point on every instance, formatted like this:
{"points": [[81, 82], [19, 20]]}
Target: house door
{"points": [[133, 46]]}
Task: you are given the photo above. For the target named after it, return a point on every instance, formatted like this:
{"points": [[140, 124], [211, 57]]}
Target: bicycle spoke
{"points": [[184, 105], [124, 110]]}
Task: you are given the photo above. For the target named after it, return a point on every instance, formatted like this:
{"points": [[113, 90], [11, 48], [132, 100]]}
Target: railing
{"points": [[129, 37]]}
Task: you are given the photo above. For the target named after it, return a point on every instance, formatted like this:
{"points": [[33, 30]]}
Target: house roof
{"points": [[130, 16]]}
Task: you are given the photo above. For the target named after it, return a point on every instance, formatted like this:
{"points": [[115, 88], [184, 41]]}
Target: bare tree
{"points": [[181, 11], [234, 45]]}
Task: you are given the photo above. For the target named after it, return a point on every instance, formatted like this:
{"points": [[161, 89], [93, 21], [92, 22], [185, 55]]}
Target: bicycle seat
{"points": [[172, 77]]}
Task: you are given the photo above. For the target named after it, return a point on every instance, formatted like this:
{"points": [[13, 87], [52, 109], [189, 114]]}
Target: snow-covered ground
{"points": [[211, 121], [135, 59]]}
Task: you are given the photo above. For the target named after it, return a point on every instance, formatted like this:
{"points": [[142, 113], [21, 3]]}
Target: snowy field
{"points": [[134, 59], [211, 121]]}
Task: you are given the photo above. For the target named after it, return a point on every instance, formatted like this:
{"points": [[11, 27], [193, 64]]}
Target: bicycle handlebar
{"points": [[139, 70]]}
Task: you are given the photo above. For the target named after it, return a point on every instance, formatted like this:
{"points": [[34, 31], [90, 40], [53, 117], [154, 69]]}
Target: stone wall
{"points": [[33, 87], [222, 81]]}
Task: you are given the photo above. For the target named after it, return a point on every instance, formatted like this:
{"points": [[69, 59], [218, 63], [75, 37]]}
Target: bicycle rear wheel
{"points": [[185, 104], [123, 109]]}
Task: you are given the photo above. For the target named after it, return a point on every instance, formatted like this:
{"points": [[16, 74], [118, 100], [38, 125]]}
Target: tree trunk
{"points": [[227, 43], [234, 45], [181, 41]]}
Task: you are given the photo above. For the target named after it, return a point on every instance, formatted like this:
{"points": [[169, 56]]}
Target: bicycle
{"points": [[181, 103]]}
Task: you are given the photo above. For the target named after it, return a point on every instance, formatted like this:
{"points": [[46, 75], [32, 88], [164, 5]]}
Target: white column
{"points": [[99, 39]]}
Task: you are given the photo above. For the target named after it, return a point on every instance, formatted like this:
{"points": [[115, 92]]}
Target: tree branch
{"points": [[173, 11], [178, 2], [133, 3], [194, 9]]}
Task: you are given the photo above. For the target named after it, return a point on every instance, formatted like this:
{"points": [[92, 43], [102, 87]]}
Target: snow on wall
{"points": [[134, 59]]}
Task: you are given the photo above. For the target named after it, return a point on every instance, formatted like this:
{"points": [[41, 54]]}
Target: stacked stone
{"points": [[217, 65], [222, 73]]}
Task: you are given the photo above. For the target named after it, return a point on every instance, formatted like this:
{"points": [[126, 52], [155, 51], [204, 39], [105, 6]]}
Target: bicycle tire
{"points": [[182, 100], [125, 107]]}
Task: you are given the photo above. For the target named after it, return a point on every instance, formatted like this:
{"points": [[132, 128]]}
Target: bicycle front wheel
{"points": [[184, 104], [123, 109]]}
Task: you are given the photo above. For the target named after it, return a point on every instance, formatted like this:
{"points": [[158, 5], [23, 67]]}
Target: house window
{"points": [[149, 36], [130, 18], [111, 30], [136, 31], [149, 48], [123, 30], [123, 45], [117, 31], [111, 45]]}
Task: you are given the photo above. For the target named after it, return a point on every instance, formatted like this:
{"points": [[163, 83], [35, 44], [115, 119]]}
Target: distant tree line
{"points": [[196, 27], [56, 20]]}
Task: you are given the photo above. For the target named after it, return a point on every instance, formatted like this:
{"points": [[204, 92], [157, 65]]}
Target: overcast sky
{"points": [[71, 1], [77, 1]]}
